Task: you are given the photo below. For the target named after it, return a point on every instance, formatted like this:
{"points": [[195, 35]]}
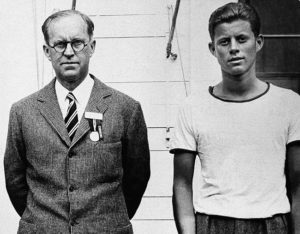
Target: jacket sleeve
{"points": [[136, 161], [15, 164]]}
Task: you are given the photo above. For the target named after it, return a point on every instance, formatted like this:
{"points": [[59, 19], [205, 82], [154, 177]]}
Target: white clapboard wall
{"points": [[130, 56]]}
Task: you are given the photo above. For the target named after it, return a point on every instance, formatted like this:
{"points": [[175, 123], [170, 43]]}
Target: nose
{"points": [[234, 46], [69, 50]]}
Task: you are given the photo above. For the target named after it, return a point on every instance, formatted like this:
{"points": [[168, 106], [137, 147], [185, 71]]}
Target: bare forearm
{"points": [[293, 169], [296, 214], [184, 210], [183, 193]]}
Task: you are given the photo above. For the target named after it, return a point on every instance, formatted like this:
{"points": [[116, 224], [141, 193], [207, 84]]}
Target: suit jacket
{"points": [[59, 186]]}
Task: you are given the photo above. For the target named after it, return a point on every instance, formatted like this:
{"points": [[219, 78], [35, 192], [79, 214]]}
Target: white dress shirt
{"points": [[82, 94]]}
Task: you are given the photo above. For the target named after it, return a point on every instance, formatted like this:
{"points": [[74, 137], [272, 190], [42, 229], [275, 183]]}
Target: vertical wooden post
{"points": [[73, 4], [34, 16]]}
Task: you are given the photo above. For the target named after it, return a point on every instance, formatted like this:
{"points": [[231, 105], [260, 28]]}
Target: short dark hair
{"points": [[231, 12], [64, 13]]}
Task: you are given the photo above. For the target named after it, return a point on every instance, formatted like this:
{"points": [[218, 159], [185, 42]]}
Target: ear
{"points": [[212, 48], [259, 42], [47, 52], [93, 47]]}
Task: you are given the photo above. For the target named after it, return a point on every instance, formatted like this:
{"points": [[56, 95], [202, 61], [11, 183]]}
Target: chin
{"points": [[70, 78], [70, 75], [236, 71]]}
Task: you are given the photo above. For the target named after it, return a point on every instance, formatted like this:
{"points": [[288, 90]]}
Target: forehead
{"points": [[233, 28], [68, 27]]}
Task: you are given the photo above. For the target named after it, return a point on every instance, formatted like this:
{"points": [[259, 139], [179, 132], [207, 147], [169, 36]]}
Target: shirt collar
{"points": [[80, 92]]}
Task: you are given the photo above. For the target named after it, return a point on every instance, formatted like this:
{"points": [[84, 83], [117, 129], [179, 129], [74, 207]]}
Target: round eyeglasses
{"points": [[76, 45]]}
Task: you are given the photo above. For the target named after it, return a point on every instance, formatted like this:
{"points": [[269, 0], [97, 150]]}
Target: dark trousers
{"points": [[212, 224]]}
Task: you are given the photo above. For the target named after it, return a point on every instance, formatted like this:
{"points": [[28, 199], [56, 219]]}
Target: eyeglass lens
{"points": [[76, 45]]}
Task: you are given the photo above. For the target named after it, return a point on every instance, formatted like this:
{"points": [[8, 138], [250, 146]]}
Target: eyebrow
{"points": [[237, 35], [74, 39]]}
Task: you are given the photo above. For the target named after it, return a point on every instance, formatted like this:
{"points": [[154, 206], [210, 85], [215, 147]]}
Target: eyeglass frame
{"points": [[66, 45]]}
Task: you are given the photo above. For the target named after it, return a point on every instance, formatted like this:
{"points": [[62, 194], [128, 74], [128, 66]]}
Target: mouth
{"points": [[69, 63], [235, 59]]}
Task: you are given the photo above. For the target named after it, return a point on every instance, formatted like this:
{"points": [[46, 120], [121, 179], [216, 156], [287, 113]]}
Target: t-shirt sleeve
{"points": [[183, 137], [294, 126]]}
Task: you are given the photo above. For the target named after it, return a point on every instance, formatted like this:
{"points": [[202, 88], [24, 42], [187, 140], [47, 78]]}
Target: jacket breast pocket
{"points": [[107, 158]]}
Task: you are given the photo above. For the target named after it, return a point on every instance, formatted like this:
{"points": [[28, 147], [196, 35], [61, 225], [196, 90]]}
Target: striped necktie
{"points": [[71, 118]]}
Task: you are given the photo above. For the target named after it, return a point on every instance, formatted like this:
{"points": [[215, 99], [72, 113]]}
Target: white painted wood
{"points": [[154, 92], [133, 60], [161, 179], [160, 115], [130, 26], [157, 138], [155, 208], [56, 5], [154, 227], [117, 7]]}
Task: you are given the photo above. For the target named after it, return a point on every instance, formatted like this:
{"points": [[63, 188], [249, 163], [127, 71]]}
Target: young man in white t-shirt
{"points": [[243, 130]]}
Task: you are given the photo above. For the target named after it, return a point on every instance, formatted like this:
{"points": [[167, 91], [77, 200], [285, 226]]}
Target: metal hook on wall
{"points": [[169, 45]]}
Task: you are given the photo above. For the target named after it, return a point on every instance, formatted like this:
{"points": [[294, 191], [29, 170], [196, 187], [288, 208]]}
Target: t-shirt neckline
{"points": [[211, 88]]}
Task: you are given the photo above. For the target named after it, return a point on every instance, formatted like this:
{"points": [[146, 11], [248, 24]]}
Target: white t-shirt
{"points": [[242, 147]]}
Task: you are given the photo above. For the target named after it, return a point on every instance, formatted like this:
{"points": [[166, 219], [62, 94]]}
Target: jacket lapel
{"points": [[49, 108], [97, 103]]}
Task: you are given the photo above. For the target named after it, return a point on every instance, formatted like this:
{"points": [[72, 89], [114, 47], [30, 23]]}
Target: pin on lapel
{"points": [[96, 133], [94, 136]]}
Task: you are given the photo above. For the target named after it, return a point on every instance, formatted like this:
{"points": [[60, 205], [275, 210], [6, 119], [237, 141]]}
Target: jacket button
{"points": [[70, 154], [71, 188], [73, 222]]}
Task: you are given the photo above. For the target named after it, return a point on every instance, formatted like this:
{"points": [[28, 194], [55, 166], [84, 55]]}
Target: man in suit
{"points": [[77, 154]]}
